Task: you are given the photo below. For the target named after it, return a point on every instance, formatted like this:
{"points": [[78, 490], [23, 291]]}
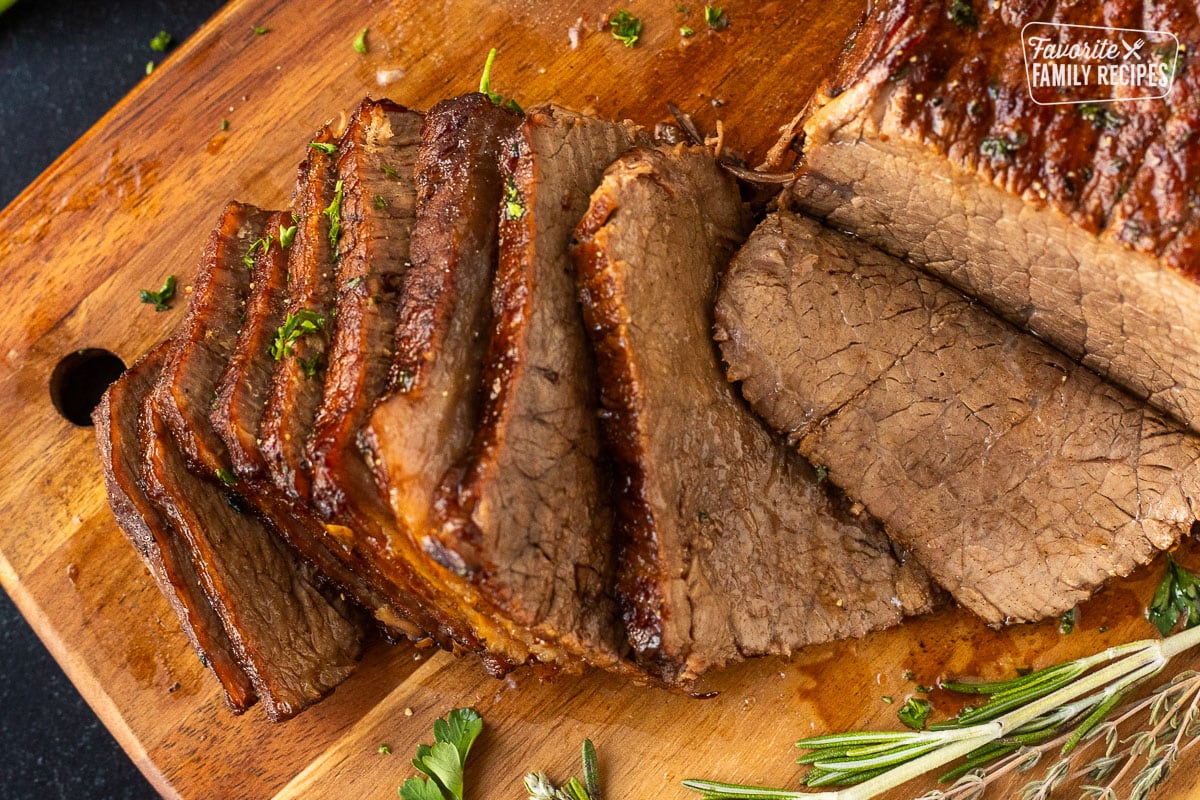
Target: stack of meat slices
{"points": [[400, 404]]}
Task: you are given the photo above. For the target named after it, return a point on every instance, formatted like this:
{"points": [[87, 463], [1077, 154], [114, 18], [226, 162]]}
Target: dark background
{"points": [[63, 64]]}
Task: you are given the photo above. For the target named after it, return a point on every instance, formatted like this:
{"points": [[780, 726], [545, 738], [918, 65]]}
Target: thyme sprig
{"points": [[1059, 707]]}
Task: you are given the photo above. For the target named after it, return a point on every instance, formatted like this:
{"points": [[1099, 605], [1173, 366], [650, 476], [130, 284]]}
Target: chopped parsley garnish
{"points": [[380, 201], [360, 41], [224, 125], [915, 713], [334, 213], [822, 472], [264, 243], [328, 148], [1177, 597], [626, 28], [962, 15], [311, 366], [682, 9], [445, 761], [160, 42], [162, 298], [287, 235], [385, 749], [295, 326], [485, 85], [354, 283], [1001, 147], [261, 30], [685, 31], [227, 477], [1066, 622], [149, 67], [514, 206], [716, 18], [1100, 116], [391, 173]]}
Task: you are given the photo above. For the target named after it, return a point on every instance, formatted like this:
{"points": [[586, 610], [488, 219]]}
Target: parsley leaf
{"points": [[263, 242], [334, 213], [626, 28], [160, 42], [328, 148], [295, 326], [1178, 597], [915, 713], [1001, 147], [445, 760], [287, 235], [261, 30], [685, 32], [162, 298], [485, 85], [227, 477], [716, 18], [962, 15], [360, 41]]}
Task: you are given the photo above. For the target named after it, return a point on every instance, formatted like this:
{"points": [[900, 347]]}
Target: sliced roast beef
{"points": [[1075, 221], [241, 391], [298, 377], [527, 515], [426, 425], [1018, 478], [161, 548], [729, 548], [295, 645], [200, 349], [376, 198]]}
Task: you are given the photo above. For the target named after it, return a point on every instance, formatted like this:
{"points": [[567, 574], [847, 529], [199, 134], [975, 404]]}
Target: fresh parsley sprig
{"points": [[1064, 707], [293, 327], [485, 85], [1177, 598], [162, 298], [445, 760]]}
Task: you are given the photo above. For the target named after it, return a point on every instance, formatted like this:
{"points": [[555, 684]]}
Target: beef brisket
{"points": [[527, 513], [295, 645], [161, 548], [377, 199], [1018, 478], [1076, 223], [241, 391], [299, 374], [426, 425], [729, 548]]}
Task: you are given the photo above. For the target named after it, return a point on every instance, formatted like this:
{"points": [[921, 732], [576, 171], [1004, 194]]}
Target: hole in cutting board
{"points": [[79, 380]]}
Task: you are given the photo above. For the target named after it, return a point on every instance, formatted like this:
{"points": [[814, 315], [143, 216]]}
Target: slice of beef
{"points": [[295, 645], [161, 548], [377, 208], [242, 389], [187, 390], [729, 548], [1074, 221], [527, 514], [1018, 478], [426, 425], [298, 377]]}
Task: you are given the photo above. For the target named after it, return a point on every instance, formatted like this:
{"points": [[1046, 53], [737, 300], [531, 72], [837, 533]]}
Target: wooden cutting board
{"points": [[132, 202]]}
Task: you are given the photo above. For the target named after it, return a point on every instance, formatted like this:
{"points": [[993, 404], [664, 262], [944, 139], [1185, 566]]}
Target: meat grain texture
{"points": [[1020, 479], [729, 547]]}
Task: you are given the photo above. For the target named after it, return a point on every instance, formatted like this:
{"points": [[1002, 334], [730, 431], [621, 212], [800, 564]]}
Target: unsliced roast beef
{"points": [[375, 201], [729, 547], [1075, 221], [298, 378], [1018, 478], [295, 645], [425, 426], [527, 514], [162, 549]]}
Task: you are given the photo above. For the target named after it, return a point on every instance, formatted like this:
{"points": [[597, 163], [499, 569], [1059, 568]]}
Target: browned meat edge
{"points": [[162, 550]]}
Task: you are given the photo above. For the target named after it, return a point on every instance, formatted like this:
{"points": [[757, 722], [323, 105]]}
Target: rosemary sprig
{"points": [[1059, 707], [540, 787]]}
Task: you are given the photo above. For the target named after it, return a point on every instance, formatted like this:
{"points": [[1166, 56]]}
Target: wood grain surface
{"points": [[133, 201]]}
